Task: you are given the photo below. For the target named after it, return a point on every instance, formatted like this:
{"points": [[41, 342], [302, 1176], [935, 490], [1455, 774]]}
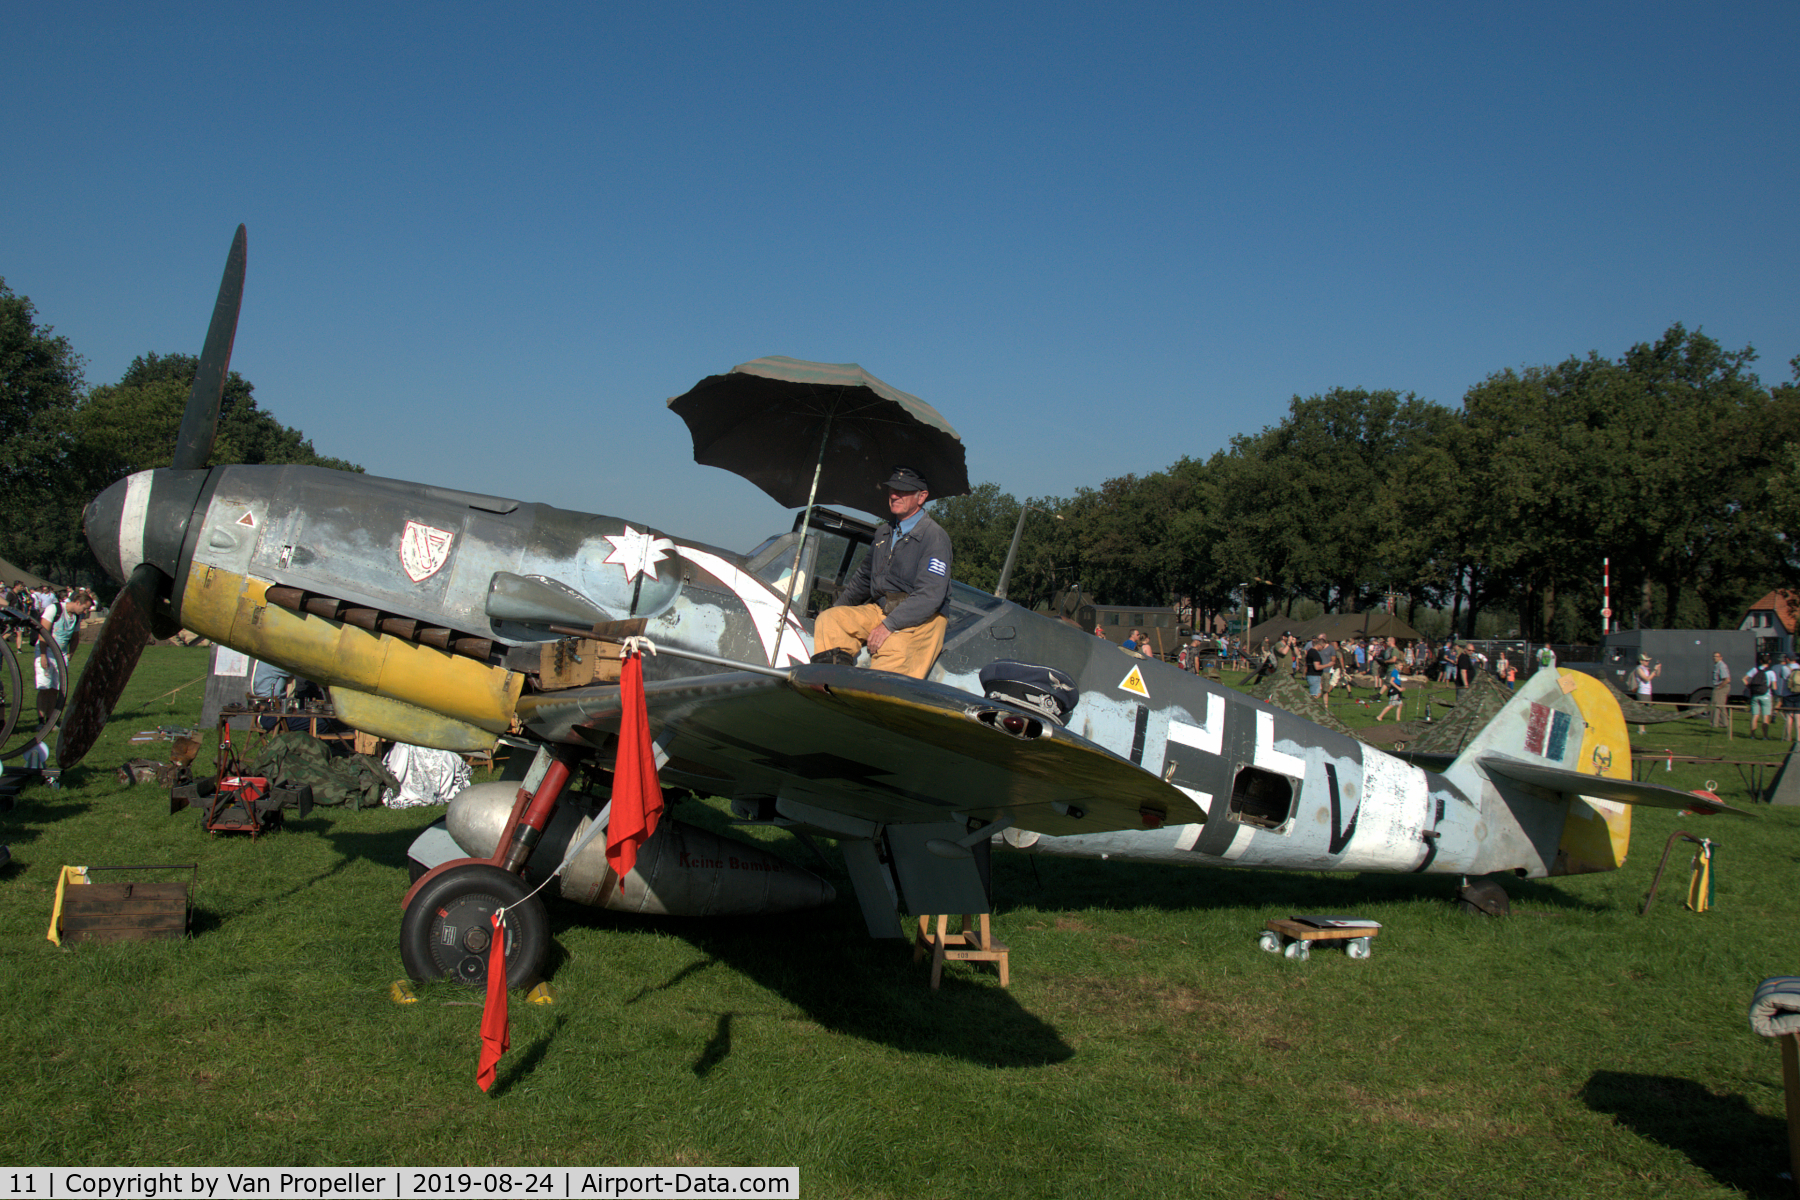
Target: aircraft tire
{"points": [[446, 930]]}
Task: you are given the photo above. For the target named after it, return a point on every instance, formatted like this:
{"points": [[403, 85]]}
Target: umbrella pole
{"points": [[800, 546]]}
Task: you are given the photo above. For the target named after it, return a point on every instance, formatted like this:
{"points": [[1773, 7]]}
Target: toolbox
{"points": [[127, 910]]}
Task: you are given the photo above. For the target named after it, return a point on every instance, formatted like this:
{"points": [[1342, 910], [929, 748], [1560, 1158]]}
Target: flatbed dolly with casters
{"points": [[1293, 936]]}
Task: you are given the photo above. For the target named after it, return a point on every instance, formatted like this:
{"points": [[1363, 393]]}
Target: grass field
{"points": [[1145, 1048]]}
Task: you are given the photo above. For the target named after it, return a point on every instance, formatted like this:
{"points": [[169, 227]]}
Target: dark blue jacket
{"points": [[917, 564]]}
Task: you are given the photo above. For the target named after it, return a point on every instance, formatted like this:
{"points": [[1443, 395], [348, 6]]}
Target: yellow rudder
{"points": [[1596, 834]]}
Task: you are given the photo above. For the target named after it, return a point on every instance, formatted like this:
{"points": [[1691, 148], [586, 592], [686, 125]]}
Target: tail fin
{"points": [[1563, 732]]}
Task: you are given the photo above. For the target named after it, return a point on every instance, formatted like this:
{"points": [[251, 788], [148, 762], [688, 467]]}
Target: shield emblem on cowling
{"points": [[424, 550]]}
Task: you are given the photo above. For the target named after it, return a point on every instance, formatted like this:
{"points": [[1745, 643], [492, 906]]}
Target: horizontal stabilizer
{"points": [[1600, 787]]}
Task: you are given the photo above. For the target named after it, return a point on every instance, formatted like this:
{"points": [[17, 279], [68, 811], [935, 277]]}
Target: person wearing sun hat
{"points": [[896, 601]]}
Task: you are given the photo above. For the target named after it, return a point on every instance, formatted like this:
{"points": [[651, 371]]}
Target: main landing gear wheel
{"points": [[448, 928]]}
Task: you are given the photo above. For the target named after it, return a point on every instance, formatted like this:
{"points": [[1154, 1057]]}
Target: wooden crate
{"points": [[577, 662], [124, 912]]}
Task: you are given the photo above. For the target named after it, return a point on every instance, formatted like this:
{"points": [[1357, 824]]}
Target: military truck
{"points": [[1685, 655], [1162, 626]]}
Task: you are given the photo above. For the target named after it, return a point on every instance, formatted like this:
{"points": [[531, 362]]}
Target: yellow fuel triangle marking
{"points": [[1134, 682]]}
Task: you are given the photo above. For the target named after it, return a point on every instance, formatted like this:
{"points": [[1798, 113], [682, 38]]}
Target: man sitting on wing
{"points": [[896, 601]]}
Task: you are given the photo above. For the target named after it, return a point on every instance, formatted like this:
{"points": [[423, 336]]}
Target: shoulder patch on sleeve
{"points": [[938, 566]]}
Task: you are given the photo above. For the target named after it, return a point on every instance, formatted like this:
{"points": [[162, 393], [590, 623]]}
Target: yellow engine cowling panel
{"points": [[233, 609], [1596, 834]]}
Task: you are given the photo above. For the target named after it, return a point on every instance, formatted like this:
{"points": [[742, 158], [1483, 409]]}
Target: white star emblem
{"points": [[638, 552]]}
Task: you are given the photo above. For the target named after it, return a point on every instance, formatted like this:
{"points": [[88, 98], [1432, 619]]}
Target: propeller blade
{"points": [[200, 421], [109, 666]]}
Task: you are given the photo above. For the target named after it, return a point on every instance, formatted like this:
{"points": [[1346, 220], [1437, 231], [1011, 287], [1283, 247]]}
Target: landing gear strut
{"points": [[448, 929]]}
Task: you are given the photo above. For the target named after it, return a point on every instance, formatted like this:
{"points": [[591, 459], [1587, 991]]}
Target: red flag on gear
{"points": [[636, 793], [496, 1038]]}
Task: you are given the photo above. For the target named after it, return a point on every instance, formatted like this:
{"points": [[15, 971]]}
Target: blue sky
{"points": [[488, 242]]}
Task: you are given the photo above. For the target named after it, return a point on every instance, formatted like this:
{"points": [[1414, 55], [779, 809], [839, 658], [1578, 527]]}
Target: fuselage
{"points": [[430, 612]]}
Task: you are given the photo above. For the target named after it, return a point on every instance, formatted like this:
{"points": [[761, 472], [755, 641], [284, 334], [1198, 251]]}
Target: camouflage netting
{"points": [[294, 758], [1469, 716], [1284, 691]]}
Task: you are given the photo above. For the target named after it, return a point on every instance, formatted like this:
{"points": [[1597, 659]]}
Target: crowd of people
{"points": [[1439, 662], [1770, 687], [1329, 665]]}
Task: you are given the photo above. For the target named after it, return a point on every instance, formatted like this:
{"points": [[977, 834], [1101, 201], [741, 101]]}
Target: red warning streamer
{"points": [[636, 794], [496, 1038]]}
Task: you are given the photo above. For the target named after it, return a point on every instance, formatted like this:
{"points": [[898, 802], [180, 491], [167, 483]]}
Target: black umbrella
{"points": [[819, 433]]}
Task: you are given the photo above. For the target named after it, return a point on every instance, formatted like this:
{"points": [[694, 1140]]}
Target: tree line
{"points": [[63, 442], [1673, 462]]}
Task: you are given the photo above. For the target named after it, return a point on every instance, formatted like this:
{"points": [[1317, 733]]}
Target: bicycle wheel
{"points": [[45, 730], [12, 693]]}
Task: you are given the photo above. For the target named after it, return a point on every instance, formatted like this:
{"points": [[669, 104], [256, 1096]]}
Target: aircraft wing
{"points": [[1600, 787], [873, 746]]}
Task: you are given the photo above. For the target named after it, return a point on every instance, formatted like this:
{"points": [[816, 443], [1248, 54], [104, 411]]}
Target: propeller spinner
{"points": [[136, 527]]}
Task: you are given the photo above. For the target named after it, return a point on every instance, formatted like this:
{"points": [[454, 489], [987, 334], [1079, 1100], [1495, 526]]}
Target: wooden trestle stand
{"points": [[972, 943]]}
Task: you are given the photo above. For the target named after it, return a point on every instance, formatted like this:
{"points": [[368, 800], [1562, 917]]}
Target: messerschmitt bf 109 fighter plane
{"points": [[451, 619]]}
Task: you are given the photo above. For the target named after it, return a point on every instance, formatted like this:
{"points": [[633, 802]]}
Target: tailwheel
{"points": [[1483, 897], [448, 928]]}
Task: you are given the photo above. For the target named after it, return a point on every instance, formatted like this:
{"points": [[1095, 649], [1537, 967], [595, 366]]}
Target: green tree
{"points": [[40, 381], [1712, 438], [980, 526], [1318, 504], [1543, 506], [247, 433], [1780, 507], [1660, 461]]}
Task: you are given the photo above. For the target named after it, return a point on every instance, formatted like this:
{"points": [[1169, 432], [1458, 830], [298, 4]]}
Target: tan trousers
{"points": [[905, 652], [1721, 695]]}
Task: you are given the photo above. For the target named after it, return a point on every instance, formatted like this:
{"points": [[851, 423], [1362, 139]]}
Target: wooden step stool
{"points": [[971, 943]]}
